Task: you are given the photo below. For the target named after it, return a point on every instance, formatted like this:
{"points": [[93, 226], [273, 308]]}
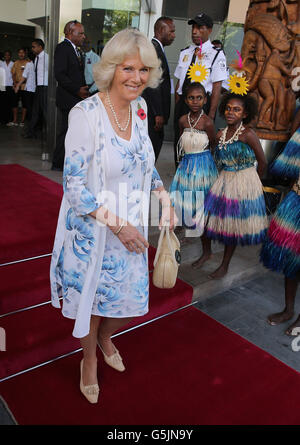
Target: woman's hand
{"points": [[168, 217], [131, 238]]}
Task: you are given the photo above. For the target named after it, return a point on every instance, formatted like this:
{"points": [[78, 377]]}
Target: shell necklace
{"points": [[193, 124], [115, 114], [234, 137]]}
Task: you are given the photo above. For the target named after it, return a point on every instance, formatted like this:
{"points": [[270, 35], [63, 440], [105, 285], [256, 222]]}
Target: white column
{"points": [[150, 11]]}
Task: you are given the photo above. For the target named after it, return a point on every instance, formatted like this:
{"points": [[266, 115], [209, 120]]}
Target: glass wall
{"points": [[102, 19]]}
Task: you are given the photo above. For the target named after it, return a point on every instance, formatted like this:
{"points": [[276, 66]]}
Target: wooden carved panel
{"points": [[271, 51]]}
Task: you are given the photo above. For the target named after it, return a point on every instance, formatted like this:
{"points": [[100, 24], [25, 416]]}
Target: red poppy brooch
{"points": [[141, 113]]}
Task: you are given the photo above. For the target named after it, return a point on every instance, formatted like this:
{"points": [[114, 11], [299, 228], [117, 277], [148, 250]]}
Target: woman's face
{"points": [[21, 54], [234, 112], [130, 78]]}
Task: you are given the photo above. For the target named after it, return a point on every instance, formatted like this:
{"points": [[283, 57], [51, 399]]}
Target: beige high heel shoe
{"points": [[114, 360], [90, 392]]}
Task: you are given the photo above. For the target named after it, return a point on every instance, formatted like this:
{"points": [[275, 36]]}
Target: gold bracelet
{"points": [[119, 229]]}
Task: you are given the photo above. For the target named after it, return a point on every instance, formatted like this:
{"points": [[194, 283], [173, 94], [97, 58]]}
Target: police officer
{"points": [[212, 58]]}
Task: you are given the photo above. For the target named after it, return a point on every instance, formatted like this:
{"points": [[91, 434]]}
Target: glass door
{"points": [[102, 19]]}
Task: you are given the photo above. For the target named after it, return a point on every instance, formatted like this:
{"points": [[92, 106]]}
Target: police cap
{"points": [[201, 20]]}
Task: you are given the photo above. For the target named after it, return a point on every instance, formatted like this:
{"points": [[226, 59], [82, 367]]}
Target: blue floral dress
{"points": [[123, 288], [91, 269]]}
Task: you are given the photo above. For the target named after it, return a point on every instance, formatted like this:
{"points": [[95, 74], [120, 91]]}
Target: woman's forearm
{"points": [[107, 218]]}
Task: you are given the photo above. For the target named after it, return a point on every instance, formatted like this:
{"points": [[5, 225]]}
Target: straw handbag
{"points": [[167, 259]]}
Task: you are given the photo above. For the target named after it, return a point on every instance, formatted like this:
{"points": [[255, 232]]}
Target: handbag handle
{"points": [[165, 231]]}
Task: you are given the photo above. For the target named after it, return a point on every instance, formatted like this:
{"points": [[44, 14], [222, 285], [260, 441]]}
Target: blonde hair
{"points": [[121, 45]]}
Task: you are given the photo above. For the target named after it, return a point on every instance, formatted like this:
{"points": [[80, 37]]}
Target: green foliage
{"points": [[115, 21]]}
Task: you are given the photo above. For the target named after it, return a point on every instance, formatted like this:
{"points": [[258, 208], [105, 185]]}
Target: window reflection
{"points": [[101, 24]]}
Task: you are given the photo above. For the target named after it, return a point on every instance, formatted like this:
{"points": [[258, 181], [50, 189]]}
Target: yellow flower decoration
{"points": [[238, 84], [197, 73]]}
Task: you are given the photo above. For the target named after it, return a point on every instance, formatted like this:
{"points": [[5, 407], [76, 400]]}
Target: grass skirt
{"points": [[194, 177], [281, 249], [235, 208], [288, 162]]}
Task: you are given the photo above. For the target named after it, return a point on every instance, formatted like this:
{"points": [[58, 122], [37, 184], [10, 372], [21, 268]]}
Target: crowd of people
{"points": [[25, 84], [112, 129], [24, 94]]}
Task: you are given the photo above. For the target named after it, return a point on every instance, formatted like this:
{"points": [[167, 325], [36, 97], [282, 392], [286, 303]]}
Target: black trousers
{"points": [[6, 100], [29, 98], [16, 97], [39, 110], [59, 152], [157, 137], [181, 109]]}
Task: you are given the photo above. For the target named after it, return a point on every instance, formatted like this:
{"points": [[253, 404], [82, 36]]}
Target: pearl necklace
{"points": [[234, 137], [193, 125], [115, 114]]}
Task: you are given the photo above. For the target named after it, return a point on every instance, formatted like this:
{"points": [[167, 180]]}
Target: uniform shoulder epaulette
{"points": [[184, 48]]}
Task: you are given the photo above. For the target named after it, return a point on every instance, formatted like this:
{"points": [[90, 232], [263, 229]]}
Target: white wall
{"points": [[69, 10], [14, 11], [35, 8], [149, 17], [237, 11]]}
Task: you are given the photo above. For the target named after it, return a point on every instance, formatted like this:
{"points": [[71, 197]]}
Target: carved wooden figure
{"points": [[271, 51]]}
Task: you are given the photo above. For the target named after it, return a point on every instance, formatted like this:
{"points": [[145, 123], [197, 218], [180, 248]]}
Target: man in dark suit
{"points": [[159, 99], [71, 88]]}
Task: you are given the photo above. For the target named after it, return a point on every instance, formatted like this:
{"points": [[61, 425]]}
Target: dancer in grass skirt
{"points": [[281, 249], [288, 163], [235, 205], [197, 170]]}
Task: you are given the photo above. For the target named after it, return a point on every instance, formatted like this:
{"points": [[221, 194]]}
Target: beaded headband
{"points": [[237, 82]]}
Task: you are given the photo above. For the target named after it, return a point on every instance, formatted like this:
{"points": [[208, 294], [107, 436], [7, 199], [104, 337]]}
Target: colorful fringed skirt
{"points": [[281, 249], [235, 208], [194, 177], [288, 162]]}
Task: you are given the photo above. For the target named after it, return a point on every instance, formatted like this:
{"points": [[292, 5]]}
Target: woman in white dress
{"points": [[99, 263]]}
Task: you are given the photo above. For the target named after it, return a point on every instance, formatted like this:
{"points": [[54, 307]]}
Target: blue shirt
{"points": [[90, 58]]}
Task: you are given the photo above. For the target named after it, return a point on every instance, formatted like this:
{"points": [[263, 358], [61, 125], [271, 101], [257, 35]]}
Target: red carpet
{"points": [[29, 211], [184, 369], [27, 283], [24, 284], [43, 333]]}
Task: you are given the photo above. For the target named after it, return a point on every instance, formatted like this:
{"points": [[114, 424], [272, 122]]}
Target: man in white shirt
{"points": [[7, 94], [214, 61], [39, 108], [29, 79], [90, 58]]}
